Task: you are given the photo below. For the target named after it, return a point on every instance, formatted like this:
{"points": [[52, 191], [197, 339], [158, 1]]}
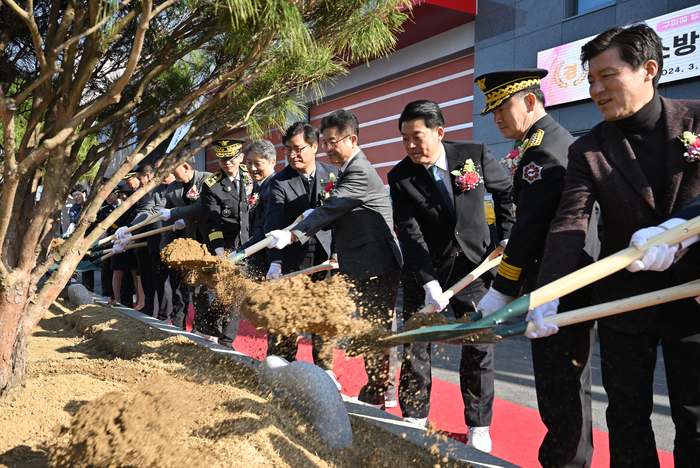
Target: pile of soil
{"points": [[188, 254], [299, 305], [125, 394]]}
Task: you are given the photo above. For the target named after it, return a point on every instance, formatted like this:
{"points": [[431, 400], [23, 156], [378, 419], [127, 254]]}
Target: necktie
{"points": [[442, 189], [237, 187]]}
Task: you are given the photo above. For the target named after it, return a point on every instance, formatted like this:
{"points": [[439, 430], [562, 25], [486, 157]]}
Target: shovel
{"points": [[310, 270], [110, 252], [554, 290], [149, 233], [691, 289], [147, 221], [262, 244]]}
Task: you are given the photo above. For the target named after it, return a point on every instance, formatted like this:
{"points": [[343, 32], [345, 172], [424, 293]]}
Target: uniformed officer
{"points": [[538, 164], [225, 199]]}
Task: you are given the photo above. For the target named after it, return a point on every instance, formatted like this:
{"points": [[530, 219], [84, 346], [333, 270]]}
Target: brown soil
{"points": [[188, 254], [301, 305], [124, 394]]}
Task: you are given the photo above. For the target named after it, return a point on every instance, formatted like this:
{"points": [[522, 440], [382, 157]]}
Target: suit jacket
{"points": [[256, 217], [286, 201], [173, 198], [360, 209], [538, 182], [431, 237], [226, 209], [603, 167]]}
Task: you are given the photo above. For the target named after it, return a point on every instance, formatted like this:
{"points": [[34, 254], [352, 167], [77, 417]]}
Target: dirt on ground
{"points": [[107, 390]]}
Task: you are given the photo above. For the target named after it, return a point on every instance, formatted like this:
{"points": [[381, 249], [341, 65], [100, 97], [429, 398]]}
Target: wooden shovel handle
{"points": [[147, 221], [310, 270], [264, 243], [675, 293], [128, 247], [611, 264], [149, 233], [493, 260]]}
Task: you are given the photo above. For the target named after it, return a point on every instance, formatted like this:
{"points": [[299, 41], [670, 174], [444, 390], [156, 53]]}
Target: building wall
{"points": [[510, 33]]}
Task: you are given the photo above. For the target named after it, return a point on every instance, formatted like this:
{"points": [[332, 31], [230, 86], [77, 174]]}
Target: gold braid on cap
{"points": [[221, 148], [495, 97]]}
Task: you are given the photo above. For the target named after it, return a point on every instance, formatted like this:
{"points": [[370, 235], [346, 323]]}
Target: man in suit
{"points": [[180, 203], [443, 229], [634, 165], [297, 188], [561, 362], [368, 250], [260, 159]]}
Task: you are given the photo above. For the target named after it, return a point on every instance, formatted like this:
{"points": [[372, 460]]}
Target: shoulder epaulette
{"points": [[535, 139], [243, 167], [214, 178]]}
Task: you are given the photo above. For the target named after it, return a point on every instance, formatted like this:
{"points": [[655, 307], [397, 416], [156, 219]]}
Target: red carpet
{"points": [[516, 430]]}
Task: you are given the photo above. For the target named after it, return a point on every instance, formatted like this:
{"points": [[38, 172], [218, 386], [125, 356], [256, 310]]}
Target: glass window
{"points": [[578, 7]]}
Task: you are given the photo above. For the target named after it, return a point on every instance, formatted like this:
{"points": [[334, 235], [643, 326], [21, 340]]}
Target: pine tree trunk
{"points": [[13, 345]]}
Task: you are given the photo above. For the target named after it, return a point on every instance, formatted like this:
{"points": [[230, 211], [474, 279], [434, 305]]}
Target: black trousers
{"points": [[476, 376], [161, 280], [628, 362], [376, 299], [143, 258], [562, 368]]}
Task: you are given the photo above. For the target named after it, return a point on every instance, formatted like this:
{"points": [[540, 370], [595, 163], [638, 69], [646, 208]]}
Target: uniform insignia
{"points": [[228, 188], [481, 84], [532, 172], [226, 212], [215, 235], [214, 178], [536, 139], [508, 271]]}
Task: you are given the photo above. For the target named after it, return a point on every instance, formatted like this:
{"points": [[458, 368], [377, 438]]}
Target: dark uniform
{"points": [[258, 263], [225, 203], [106, 267], [561, 361]]}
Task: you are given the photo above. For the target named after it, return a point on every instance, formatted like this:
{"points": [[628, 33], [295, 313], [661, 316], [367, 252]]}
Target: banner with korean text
{"points": [[679, 31]]}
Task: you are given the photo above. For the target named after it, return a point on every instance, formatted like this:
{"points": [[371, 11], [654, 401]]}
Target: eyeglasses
{"points": [[331, 144], [289, 151]]}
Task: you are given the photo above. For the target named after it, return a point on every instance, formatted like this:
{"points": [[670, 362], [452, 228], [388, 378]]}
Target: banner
{"points": [[680, 32]]}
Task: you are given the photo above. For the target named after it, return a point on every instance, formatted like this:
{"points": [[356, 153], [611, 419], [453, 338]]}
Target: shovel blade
{"points": [[440, 333]]}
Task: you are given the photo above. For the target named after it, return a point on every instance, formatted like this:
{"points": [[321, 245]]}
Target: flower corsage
{"points": [[513, 158], [692, 143], [193, 193], [328, 188], [253, 200], [468, 177]]}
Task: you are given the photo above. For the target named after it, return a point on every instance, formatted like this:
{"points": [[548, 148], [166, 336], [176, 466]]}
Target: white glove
{"points": [[220, 252], [118, 248], [537, 316], [164, 214], [492, 301], [275, 271], [120, 232], [332, 260], [281, 239], [432, 293], [232, 254], [179, 224], [306, 213], [657, 258], [71, 228], [124, 240], [504, 242]]}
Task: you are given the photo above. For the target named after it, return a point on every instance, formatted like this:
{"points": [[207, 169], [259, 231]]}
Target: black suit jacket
{"points": [[431, 237], [603, 167], [537, 194], [286, 201]]}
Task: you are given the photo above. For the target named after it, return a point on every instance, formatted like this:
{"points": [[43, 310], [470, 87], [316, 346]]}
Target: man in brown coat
{"points": [[634, 165]]}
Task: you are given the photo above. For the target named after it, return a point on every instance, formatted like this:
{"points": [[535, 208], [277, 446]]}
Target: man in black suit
{"points": [[438, 200], [294, 190], [561, 362], [368, 250], [260, 159]]}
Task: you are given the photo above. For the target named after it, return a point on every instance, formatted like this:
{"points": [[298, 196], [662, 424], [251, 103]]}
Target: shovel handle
{"points": [[262, 244], [595, 312], [310, 270], [493, 260], [611, 264], [143, 223], [149, 233]]}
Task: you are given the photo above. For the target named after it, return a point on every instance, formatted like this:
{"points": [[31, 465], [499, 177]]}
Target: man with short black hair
{"points": [[368, 250], [438, 194], [640, 172]]}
